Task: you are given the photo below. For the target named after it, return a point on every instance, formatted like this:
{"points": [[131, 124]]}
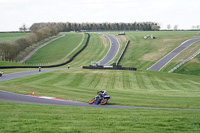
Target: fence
{"points": [[109, 67], [183, 62], [118, 61]]}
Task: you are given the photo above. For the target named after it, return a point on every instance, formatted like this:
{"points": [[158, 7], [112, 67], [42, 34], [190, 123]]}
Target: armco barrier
{"points": [[118, 61], [109, 67], [71, 59]]}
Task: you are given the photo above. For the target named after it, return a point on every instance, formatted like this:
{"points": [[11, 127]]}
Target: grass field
{"points": [[11, 37], [192, 67], [97, 48], [131, 88], [17, 117], [143, 53], [147, 89], [57, 50]]}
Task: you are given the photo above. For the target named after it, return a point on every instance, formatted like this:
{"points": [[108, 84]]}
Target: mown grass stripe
{"points": [[126, 80], [162, 83], [140, 81], [133, 81], [118, 80], [96, 80], [156, 82]]}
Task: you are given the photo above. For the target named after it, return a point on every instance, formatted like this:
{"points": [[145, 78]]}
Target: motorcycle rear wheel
{"points": [[91, 101]]}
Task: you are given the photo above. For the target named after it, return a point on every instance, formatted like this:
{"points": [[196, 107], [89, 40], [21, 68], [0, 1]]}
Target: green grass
{"points": [[8, 63], [57, 50], [19, 117], [129, 88], [11, 37], [144, 53], [24, 53], [192, 68], [145, 89], [94, 52]]}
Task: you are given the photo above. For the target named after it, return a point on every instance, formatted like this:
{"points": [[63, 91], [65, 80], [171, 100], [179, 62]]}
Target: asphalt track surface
{"points": [[113, 50], [166, 59], [17, 98], [24, 74]]}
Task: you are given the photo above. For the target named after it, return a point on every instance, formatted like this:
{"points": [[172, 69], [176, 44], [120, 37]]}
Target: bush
{"points": [[9, 51]]}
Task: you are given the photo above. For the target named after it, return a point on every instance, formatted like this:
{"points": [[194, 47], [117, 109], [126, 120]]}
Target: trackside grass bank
{"points": [[143, 53], [19, 117], [97, 48], [143, 89], [56, 51]]}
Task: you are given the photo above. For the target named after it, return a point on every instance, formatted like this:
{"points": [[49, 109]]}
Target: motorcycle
{"points": [[100, 100]]}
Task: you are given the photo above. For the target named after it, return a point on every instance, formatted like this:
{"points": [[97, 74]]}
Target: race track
{"points": [[113, 50], [24, 74], [162, 62], [18, 98]]}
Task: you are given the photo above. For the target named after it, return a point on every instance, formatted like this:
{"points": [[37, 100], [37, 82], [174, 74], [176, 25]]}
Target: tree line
{"points": [[65, 27], [40, 31], [9, 51]]}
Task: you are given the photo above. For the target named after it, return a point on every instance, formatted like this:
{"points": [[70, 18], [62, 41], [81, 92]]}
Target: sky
{"points": [[15, 13]]}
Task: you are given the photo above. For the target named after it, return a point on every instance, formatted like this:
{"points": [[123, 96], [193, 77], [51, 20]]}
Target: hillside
{"points": [[143, 53], [140, 88]]}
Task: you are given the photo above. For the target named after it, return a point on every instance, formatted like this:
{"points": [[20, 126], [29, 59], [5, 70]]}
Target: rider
{"points": [[101, 94]]}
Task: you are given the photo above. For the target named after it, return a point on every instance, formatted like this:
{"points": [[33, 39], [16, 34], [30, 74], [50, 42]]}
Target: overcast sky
{"points": [[14, 13]]}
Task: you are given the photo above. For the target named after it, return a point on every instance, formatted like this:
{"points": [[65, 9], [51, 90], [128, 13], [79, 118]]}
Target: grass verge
{"points": [[16, 117], [56, 50]]}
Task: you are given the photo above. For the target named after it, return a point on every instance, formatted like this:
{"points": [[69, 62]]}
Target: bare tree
{"points": [[23, 28], [175, 27], [168, 26]]}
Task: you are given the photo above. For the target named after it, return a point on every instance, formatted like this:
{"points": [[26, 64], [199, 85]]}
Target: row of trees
{"points": [[64, 27], [40, 31], [9, 51]]}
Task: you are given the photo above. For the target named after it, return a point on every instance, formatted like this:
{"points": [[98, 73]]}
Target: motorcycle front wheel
{"points": [[104, 101]]}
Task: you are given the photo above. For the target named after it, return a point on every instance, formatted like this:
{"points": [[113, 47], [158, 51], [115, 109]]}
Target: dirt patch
{"points": [[195, 60], [97, 71], [105, 41], [155, 55], [122, 38], [187, 53]]}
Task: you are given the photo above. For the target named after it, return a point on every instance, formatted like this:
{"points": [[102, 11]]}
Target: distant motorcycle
{"points": [[101, 98]]}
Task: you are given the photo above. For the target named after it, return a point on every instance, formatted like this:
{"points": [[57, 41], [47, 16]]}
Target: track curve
{"points": [[18, 98], [114, 48]]}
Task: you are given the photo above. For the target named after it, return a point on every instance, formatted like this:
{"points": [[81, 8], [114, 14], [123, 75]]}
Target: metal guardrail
{"points": [[183, 62], [109, 68], [118, 61]]}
